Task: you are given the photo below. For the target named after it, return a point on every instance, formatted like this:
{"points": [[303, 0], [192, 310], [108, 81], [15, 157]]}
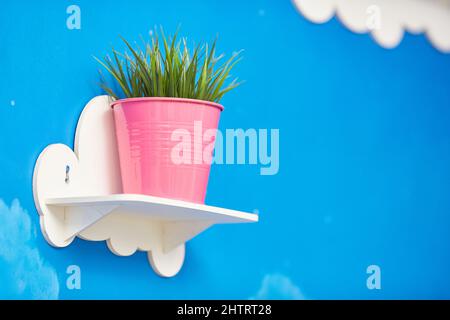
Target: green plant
{"points": [[168, 68]]}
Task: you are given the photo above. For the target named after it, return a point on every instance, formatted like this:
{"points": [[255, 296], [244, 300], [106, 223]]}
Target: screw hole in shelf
{"points": [[67, 179]]}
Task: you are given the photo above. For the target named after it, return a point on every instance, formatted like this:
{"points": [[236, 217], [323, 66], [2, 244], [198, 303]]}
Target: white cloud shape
{"points": [[386, 20], [23, 272], [276, 286]]}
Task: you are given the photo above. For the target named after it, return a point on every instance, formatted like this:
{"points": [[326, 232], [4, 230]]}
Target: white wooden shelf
{"points": [[82, 212], [158, 208], [78, 194]]}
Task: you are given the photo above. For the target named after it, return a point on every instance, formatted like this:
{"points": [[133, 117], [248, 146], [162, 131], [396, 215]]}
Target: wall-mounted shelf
{"points": [[78, 194]]}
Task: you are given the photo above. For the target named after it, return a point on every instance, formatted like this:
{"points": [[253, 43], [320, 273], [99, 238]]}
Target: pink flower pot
{"points": [[161, 145]]}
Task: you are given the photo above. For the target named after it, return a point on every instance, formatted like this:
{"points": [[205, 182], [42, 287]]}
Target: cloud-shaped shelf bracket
{"points": [[78, 194]]}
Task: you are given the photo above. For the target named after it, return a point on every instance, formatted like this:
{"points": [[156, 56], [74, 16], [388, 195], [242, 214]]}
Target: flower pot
{"points": [[162, 148]]}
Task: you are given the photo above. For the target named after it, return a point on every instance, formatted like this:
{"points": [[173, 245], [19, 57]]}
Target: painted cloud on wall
{"points": [[24, 274], [386, 20], [276, 286]]}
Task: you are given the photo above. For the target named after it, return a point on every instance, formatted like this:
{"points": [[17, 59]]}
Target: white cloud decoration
{"points": [[276, 286], [23, 272], [386, 20]]}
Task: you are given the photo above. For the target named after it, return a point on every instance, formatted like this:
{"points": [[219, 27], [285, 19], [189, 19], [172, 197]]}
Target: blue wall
{"points": [[364, 155]]}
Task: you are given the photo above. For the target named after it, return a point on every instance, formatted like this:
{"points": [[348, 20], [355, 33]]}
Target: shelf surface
{"points": [[158, 208]]}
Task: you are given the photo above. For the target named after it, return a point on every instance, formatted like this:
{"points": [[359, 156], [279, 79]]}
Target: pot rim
{"points": [[188, 100]]}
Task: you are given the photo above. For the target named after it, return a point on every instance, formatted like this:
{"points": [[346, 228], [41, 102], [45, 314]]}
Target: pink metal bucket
{"points": [[164, 144]]}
